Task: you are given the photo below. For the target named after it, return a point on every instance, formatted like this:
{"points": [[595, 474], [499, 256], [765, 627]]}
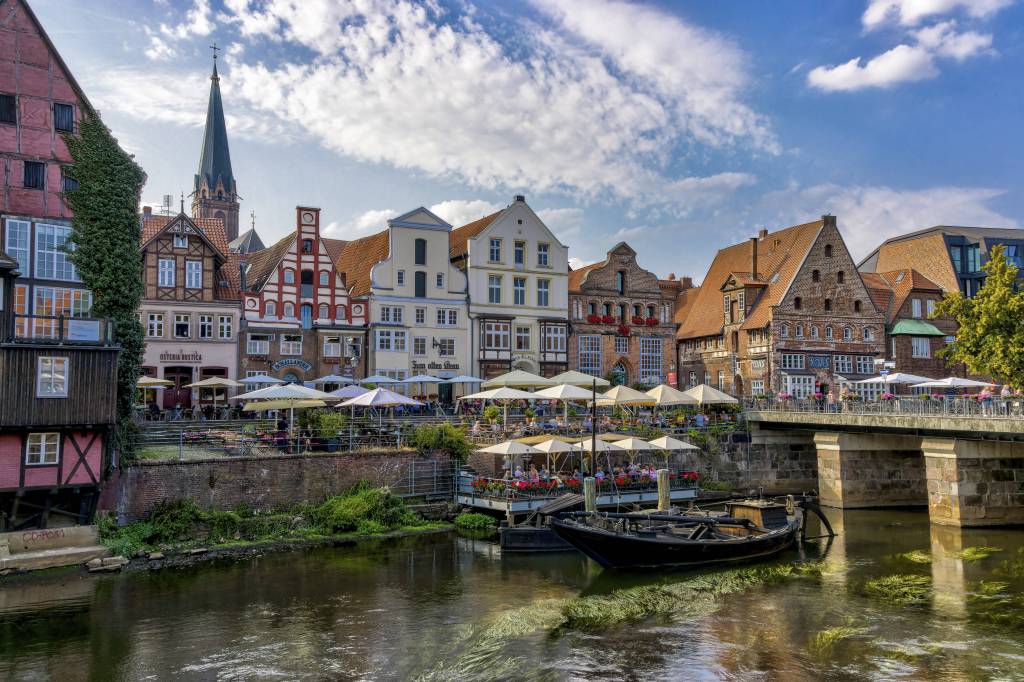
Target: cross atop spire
{"points": [[215, 50], [215, 194]]}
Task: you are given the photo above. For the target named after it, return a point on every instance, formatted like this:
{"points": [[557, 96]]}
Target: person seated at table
{"points": [[518, 474], [544, 473], [533, 474], [477, 428], [576, 475], [599, 474], [154, 411], [588, 425]]}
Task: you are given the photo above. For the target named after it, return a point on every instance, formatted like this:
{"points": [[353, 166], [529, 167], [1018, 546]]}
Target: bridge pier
{"points": [[974, 482], [861, 470]]}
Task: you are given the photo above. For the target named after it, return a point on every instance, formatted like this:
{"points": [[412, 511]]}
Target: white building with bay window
{"points": [[417, 303], [518, 273]]}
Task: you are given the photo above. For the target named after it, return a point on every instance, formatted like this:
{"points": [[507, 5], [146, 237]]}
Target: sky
{"points": [[678, 127]]}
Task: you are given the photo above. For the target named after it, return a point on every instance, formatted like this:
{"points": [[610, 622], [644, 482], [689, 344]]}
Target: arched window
{"points": [[650, 311], [325, 278], [637, 310], [828, 333], [847, 334], [840, 276], [620, 281], [799, 331], [828, 250], [828, 304], [856, 306], [622, 313], [289, 276], [815, 275], [289, 310], [797, 303], [270, 309], [591, 308], [814, 332], [784, 331], [325, 312]]}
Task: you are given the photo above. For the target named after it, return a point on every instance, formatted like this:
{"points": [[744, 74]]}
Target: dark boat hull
{"points": [[617, 550]]}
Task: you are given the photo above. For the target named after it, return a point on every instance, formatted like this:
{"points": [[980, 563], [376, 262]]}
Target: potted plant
{"points": [[492, 413], [329, 425]]}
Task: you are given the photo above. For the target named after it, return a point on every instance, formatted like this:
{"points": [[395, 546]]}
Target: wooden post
{"points": [[590, 494], [664, 500]]}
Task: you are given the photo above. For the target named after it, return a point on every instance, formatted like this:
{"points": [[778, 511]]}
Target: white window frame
{"points": [[843, 364], [621, 345], [52, 376], [166, 272], [446, 347], [154, 325], [494, 289], [865, 364], [18, 242], [915, 308], [518, 291], [497, 335], [421, 316], [930, 307], [651, 359], [494, 250], [589, 353], [847, 334], [325, 278], [332, 347], [800, 385], [793, 361], [51, 259], [225, 327], [42, 449], [391, 340], [257, 344], [757, 386], [206, 326], [439, 280], [519, 252], [555, 339], [419, 346], [543, 293], [721, 380], [179, 318], [391, 314], [920, 347], [180, 241], [400, 278], [524, 338], [289, 344], [447, 317], [543, 255]]}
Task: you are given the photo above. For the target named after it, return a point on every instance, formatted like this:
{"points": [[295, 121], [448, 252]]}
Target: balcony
{"points": [[60, 330]]}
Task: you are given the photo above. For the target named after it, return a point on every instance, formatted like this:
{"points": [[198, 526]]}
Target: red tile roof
{"points": [[358, 257], [458, 239], [212, 229], [890, 290], [927, 254], [684, 302], [231, 277], [262, 263], [779, 255]]}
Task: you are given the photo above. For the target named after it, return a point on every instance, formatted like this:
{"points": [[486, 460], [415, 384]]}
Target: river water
{"points": [[450, 607]]}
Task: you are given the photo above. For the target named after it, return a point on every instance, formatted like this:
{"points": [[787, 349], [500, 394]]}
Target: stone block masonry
{"points": [[973, 482], [861, 470], [265, 483]]}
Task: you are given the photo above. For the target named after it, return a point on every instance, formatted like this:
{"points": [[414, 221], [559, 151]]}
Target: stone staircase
{"points": [[32, 550]]}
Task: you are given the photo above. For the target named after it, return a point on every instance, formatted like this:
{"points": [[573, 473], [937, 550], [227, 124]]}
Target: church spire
{"points": [[215, 194]]}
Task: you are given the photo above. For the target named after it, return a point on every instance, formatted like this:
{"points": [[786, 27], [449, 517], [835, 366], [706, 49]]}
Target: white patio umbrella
{"points": [[282, 404], [422, 379], [669, 443], [350, 391], [378, 397], [597, 445], [894, 378], [261, 379], [378, 379], [215, 383], [511, 447], [624, 395], [503, 396], [566, 393], [153, 382], [706, 395], [952, 382], [463, 379], [333, 379], [665, 395], [518, 379], [635, 444], [289, 392], [579, 379], [556, 447]]}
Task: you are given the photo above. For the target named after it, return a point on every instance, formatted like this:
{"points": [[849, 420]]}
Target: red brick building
{"points": [[622, 320], [784, 311]]}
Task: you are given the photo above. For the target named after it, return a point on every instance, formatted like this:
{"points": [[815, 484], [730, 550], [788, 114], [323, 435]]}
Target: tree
{"points": [[106, 235], [990, 340]]}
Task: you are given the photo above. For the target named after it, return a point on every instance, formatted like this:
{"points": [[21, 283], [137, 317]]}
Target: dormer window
{"points": [[180, 241]]}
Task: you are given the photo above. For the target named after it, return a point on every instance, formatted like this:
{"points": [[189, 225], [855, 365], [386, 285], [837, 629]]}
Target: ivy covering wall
{"points": [[106, 234]]}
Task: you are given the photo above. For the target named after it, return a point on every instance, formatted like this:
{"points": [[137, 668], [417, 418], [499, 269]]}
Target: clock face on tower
{"points": [[307, 217], [251, 303]]}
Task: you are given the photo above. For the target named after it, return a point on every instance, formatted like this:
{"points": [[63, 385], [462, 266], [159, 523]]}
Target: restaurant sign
{"points": [[292, 362], [818, 361], [181, 356], [435, 365]]}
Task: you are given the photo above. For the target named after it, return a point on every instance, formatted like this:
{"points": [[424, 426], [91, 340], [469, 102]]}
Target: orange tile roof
{"points": [[334, 247], [212, 229], [231, 277], [684, 302], [576, 277], [458, 239], [890, 290], [358, 257], [779, 255], [927, 254], [879, 291], [262, 263]]}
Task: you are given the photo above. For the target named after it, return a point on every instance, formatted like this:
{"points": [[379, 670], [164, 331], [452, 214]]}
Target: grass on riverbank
{"points": [[475, 521], [359, 512]]}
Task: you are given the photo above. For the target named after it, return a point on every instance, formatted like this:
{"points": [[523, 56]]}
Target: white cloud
{"points": [[366, 223], [901, 64], [626, 233], [868, 215], [198, 21], [573, 108], [944, 40], [911, 12], [458, 212]]}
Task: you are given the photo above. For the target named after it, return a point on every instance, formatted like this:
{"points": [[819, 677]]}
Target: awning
{"points": [[915, 327]]}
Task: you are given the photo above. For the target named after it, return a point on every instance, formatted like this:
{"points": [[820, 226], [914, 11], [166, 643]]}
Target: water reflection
{"points": [[452, 607]]}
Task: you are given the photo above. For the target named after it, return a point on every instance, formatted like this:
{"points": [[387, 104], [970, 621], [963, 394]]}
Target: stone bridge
{"points": [[969, 470]]}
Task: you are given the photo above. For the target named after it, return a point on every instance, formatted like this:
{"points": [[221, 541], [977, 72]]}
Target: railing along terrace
{"points": [[60, 329], [513, 489], [975, 406]]}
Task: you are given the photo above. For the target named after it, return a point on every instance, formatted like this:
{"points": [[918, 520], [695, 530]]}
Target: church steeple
{"points": [[215, 193]]}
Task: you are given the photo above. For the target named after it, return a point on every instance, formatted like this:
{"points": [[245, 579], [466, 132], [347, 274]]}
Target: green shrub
{"points": [[348, 512], [492, 413], [444, 437], [475, 521], [331, 422], [174, 521]]}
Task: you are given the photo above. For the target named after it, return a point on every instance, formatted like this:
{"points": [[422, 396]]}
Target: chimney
{"points": [[147, 212], [520, 197], [762, 233], [241, 277], [753, 257], [687, 282]]}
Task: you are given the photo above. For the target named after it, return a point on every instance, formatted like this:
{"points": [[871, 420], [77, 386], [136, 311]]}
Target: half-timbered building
{"points": [[190, 305], [298, 320]]}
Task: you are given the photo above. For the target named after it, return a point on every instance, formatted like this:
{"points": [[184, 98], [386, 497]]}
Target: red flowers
{"points": [[623, 330], [638, 320], [608, 319], [594, 319], [652, 321]]}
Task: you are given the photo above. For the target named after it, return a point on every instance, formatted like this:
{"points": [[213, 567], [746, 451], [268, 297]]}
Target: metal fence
{"points": [[429, 479], [944, 406]]}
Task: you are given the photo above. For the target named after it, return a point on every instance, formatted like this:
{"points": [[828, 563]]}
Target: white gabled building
{"points": [[417, 300], [518, 274]]}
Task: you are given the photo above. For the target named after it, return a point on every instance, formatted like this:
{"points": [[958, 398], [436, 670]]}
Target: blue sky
{"points": [[680, 127]]}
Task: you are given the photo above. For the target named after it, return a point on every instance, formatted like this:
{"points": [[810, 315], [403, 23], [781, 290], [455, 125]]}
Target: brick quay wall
{"points": [[264, 483]]}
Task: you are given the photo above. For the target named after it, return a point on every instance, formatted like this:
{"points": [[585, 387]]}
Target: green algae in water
{"points": [[992, 602], [1012, 568], [823, 644], [977, 553], [917, 556], [900, 588]]}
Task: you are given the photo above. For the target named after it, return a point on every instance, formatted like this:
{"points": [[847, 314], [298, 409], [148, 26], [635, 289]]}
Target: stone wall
{"points": [[263, 482], [870, 470], [973, 482]]}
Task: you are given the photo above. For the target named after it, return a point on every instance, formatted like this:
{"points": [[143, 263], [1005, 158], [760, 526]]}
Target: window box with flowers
{"points": [[638, 320], [623, 330], [594, 319], [607, 319], [651, 321]]}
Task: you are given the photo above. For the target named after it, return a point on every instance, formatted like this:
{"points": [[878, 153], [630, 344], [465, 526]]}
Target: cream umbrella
{"points": [[332, 379], [215, 383], [282, 404], [153, 382], [706, 395], [624, 395], [580, 379], [378, 397], [350, 391], [669, 443], [556, 447], [422, 380], [566, 393], [511, 447], [952, 382], [261, 380], [894, 378], [503, 395], [378, 379], [665, 395], [592, 445], [291, 392], [635, 444], [518, 379]]}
